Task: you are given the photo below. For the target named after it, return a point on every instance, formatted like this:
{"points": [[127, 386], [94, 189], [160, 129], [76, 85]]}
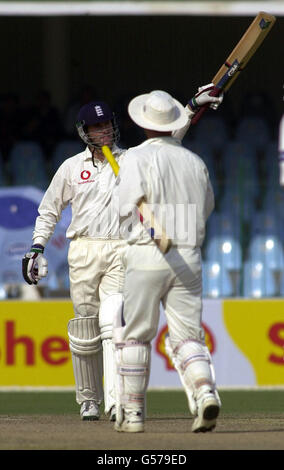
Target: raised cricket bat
{"points": [[239, 57], [146, 216]]}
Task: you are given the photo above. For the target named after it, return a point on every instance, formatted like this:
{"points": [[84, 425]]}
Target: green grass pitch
{"points": [[159, 403]]}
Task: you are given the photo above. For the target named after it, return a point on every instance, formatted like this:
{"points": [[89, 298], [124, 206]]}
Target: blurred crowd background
{"points": [[243, 254]]}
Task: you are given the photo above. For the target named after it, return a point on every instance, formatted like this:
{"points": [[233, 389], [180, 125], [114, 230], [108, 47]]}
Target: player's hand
{"points": [[202, 97], [34, 265]]}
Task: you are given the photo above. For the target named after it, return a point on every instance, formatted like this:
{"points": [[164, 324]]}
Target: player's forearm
{"points": [[50, 211], [44, 226], [180, 133], [54, 201]]}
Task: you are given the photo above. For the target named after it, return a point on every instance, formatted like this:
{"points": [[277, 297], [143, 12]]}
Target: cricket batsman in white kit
{"points": [[96, 273], [169, 177]]}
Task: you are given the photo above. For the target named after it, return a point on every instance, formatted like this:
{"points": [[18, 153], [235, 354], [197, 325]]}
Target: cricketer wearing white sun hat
{"points": [[169, 177], [158, 111]]}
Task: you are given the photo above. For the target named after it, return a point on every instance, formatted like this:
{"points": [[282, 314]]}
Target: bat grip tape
{"points": [[214, 92]]}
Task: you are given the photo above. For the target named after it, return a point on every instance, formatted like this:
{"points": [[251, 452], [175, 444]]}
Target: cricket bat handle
{"points": [[215, 92]]}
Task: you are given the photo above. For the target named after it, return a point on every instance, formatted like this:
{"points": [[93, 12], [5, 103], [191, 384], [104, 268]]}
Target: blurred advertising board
{"points": [[245, 338], [18, 213]]}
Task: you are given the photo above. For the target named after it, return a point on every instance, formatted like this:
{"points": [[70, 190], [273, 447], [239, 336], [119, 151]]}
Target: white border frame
{"points": [[108, 8]]}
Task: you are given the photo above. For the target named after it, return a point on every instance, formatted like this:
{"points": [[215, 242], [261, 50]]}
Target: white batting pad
{"points": [[133, 367], [194, 365], [117, 321], [84, 335], [109, 373], [86, 349], [188, 390], [110, 307]]}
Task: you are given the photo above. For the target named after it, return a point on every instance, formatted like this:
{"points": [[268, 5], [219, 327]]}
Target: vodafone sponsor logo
{"points": [[85, 177]]}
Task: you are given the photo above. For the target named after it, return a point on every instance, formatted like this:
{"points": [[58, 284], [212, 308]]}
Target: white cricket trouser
{"points": [[175, 279], [96, 271]]}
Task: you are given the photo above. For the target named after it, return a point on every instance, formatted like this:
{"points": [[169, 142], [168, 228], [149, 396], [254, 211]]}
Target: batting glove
{"points": [[203, 97], [34, 265]]}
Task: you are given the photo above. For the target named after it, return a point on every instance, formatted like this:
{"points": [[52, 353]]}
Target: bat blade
{"points": [[239, 57], [244, 50]]}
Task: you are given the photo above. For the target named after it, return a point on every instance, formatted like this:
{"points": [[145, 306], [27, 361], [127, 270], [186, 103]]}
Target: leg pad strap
{"points": [[84, 336]]}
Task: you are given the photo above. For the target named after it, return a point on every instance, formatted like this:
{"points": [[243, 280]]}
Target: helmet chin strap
{"points": [[96, 151]]}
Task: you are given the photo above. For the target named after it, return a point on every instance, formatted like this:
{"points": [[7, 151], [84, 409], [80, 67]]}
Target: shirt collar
{"points": [[115, 150], [160, 140]]}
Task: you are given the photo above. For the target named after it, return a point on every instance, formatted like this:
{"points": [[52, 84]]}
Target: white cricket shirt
{"points": [[87, 187], [174, 181]]}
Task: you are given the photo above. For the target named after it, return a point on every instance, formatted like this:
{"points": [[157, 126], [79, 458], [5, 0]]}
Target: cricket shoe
{"points": [[133, 421], [89, 411], [208, 411]]}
